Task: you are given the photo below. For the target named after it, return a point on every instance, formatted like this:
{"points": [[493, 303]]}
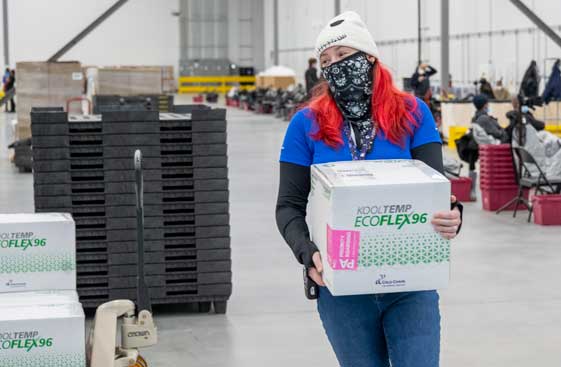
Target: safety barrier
{"points": [[217, 84]]}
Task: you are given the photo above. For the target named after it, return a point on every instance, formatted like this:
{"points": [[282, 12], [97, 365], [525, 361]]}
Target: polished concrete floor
{"points": [[503, 307]]}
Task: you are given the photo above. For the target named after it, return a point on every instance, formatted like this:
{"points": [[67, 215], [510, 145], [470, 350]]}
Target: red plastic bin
{"points": [[493, 199], [461, 188], [494, 147], [547, 210]]}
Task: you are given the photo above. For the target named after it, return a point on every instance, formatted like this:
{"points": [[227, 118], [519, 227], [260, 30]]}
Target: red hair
{"points": [[393, 110]]}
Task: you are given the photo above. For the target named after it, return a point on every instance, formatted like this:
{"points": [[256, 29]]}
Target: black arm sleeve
{"points": [[430, 71], [431, 154], [294, 188]]}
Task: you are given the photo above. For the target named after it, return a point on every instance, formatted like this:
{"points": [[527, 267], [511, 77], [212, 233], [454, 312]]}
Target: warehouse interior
{"points": [[216, 83]]}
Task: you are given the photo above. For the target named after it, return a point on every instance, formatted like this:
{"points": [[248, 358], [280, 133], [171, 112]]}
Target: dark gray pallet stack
{"points": [[150, 102], [84, 165]]}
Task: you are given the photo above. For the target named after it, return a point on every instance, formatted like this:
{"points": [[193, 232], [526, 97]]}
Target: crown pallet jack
{"points": [[137, 331]]}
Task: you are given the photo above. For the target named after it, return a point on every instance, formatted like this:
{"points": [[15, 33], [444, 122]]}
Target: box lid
{"points": [[35, 218], [377, 173], [41, 312]]}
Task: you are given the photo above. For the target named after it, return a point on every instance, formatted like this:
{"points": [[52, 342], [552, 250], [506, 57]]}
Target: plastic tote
{"points": [[547, 209]]}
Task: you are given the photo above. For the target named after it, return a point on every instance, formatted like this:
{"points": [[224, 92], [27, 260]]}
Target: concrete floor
{"points": [[503, 307]]}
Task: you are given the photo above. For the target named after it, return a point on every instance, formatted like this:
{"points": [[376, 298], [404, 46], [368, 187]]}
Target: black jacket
{"points": [[421, 87], [528, 116], [552, 90], [530, 81], [311, 77]]}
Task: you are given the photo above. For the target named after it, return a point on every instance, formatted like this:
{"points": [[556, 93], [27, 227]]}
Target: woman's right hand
{"points": [[316, 271]]}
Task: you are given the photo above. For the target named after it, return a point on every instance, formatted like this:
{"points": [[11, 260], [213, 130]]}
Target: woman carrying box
{"points": [[357, 113]]}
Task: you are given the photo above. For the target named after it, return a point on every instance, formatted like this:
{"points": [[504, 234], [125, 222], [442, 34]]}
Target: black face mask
{"points": [[350, 83]]}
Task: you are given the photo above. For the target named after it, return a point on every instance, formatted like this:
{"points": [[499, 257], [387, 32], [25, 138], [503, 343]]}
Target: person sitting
{"points": [[500, 92], [546, 153], [512, 116], [489, 124]]}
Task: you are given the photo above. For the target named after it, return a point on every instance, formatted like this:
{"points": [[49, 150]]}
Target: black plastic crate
{"points": [[152, 222], [106, 294], [84, 258], [155, 245], [154, 269], [128, 187], [150, 198], [128, 175], [164, 209], [153, 233], [97, 282]]}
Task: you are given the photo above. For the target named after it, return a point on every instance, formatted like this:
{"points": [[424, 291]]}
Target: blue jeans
{"points": [[372, 330]]}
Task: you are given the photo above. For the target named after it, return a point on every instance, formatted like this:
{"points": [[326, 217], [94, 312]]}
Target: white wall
{"points": [[300, 22], [142, 32]]}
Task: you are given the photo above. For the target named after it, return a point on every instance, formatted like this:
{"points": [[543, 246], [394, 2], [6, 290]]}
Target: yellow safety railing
{"points": [[555, 129], [217, 84]]}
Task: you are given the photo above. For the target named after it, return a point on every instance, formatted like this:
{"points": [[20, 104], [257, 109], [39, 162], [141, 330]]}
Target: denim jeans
{"points": [[372, 330]]}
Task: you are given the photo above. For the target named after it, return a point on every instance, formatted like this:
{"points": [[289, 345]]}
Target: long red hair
{"points": [[393, 110]]}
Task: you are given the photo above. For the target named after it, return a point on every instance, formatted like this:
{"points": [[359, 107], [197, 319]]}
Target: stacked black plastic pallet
{"points": [[84, 165]]}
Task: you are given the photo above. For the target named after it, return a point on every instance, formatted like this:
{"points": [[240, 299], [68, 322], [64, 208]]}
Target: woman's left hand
{"points": [[447, 223]]}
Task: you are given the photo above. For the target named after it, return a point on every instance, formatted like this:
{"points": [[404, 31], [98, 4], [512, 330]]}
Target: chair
{"points": [[531, 179]]}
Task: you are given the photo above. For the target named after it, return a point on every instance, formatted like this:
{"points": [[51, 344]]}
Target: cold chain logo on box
{"points": [[26, 340], [389, 283], [21, 240], [388, 215]]}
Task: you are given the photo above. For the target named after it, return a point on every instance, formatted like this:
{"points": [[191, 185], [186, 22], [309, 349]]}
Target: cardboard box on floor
{"points": [[45, 84], [371, 221], [37, 252], [36, 335]]}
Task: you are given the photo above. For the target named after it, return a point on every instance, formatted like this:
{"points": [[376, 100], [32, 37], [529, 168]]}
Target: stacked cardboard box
{"points": [[267, 81], [42, 84], [84, 165], [133, 80]]}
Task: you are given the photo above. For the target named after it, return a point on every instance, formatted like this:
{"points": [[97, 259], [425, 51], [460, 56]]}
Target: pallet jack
{"points": [[137, 331]]}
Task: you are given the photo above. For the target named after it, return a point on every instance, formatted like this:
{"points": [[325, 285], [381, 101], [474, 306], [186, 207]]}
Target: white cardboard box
{"points": [[38, 298], [37, 252], [371, 221], [42, 335]]}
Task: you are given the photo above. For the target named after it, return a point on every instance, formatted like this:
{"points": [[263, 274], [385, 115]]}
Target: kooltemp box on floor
{"points": [[42, 336], [371, 221], [37, 252], [38, 298]]}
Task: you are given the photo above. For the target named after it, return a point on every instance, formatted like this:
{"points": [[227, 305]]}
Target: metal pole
{"points": [[444, 45], [6, 36], [337, 7], [276, 31], [87, 30], [537, 21], [419, 31]]}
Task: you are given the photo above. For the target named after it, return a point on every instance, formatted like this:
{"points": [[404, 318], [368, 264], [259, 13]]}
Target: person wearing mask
{"points": [[311, 75], [10, 84], [483, 118], [420, 82], [358, 113], [501, 93], [527, 117]]}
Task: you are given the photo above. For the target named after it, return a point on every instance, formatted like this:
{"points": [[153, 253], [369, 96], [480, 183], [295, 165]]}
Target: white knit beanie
{"points": [[346, 29]]}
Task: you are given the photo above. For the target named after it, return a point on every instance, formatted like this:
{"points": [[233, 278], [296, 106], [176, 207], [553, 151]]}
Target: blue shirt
{"points": [[299, 147]]}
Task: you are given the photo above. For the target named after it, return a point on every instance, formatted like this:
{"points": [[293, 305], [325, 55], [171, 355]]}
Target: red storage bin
{"points": [[547, 209], [494, 147], [198, 99], [461, 188], [493, 199]]}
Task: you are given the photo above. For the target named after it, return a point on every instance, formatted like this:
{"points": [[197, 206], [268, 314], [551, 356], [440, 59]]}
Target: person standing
{"points": [[311, 75], [420, 82], [358, 113], [10, 84], [5, 78]]}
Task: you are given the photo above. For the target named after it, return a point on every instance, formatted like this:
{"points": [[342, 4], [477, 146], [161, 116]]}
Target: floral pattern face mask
{"points": [[350, 83]]}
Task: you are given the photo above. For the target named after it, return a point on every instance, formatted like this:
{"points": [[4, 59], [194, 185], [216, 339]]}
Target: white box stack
{"points": [[37, 252], [371, 221]]}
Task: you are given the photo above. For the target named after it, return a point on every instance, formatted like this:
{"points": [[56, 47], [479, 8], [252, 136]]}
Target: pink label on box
{"points": [[342, 249]]}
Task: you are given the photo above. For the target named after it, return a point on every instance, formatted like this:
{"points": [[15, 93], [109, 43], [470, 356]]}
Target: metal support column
{"points": [[87, 30], [276, 32], [537, 21], [6, 34], [419, 32], [444, 45], [337, 7]]}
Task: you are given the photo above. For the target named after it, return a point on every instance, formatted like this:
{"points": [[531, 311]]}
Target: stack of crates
{"points": [[84, 165], [498, 181]]}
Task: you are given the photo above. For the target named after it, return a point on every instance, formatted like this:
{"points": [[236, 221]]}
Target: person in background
{"points": [[311, 75], [10, 84], [501, 93], [420, 82], [358, 113], [485, 88], [483, 118], [5, 78], [527, 117]]}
